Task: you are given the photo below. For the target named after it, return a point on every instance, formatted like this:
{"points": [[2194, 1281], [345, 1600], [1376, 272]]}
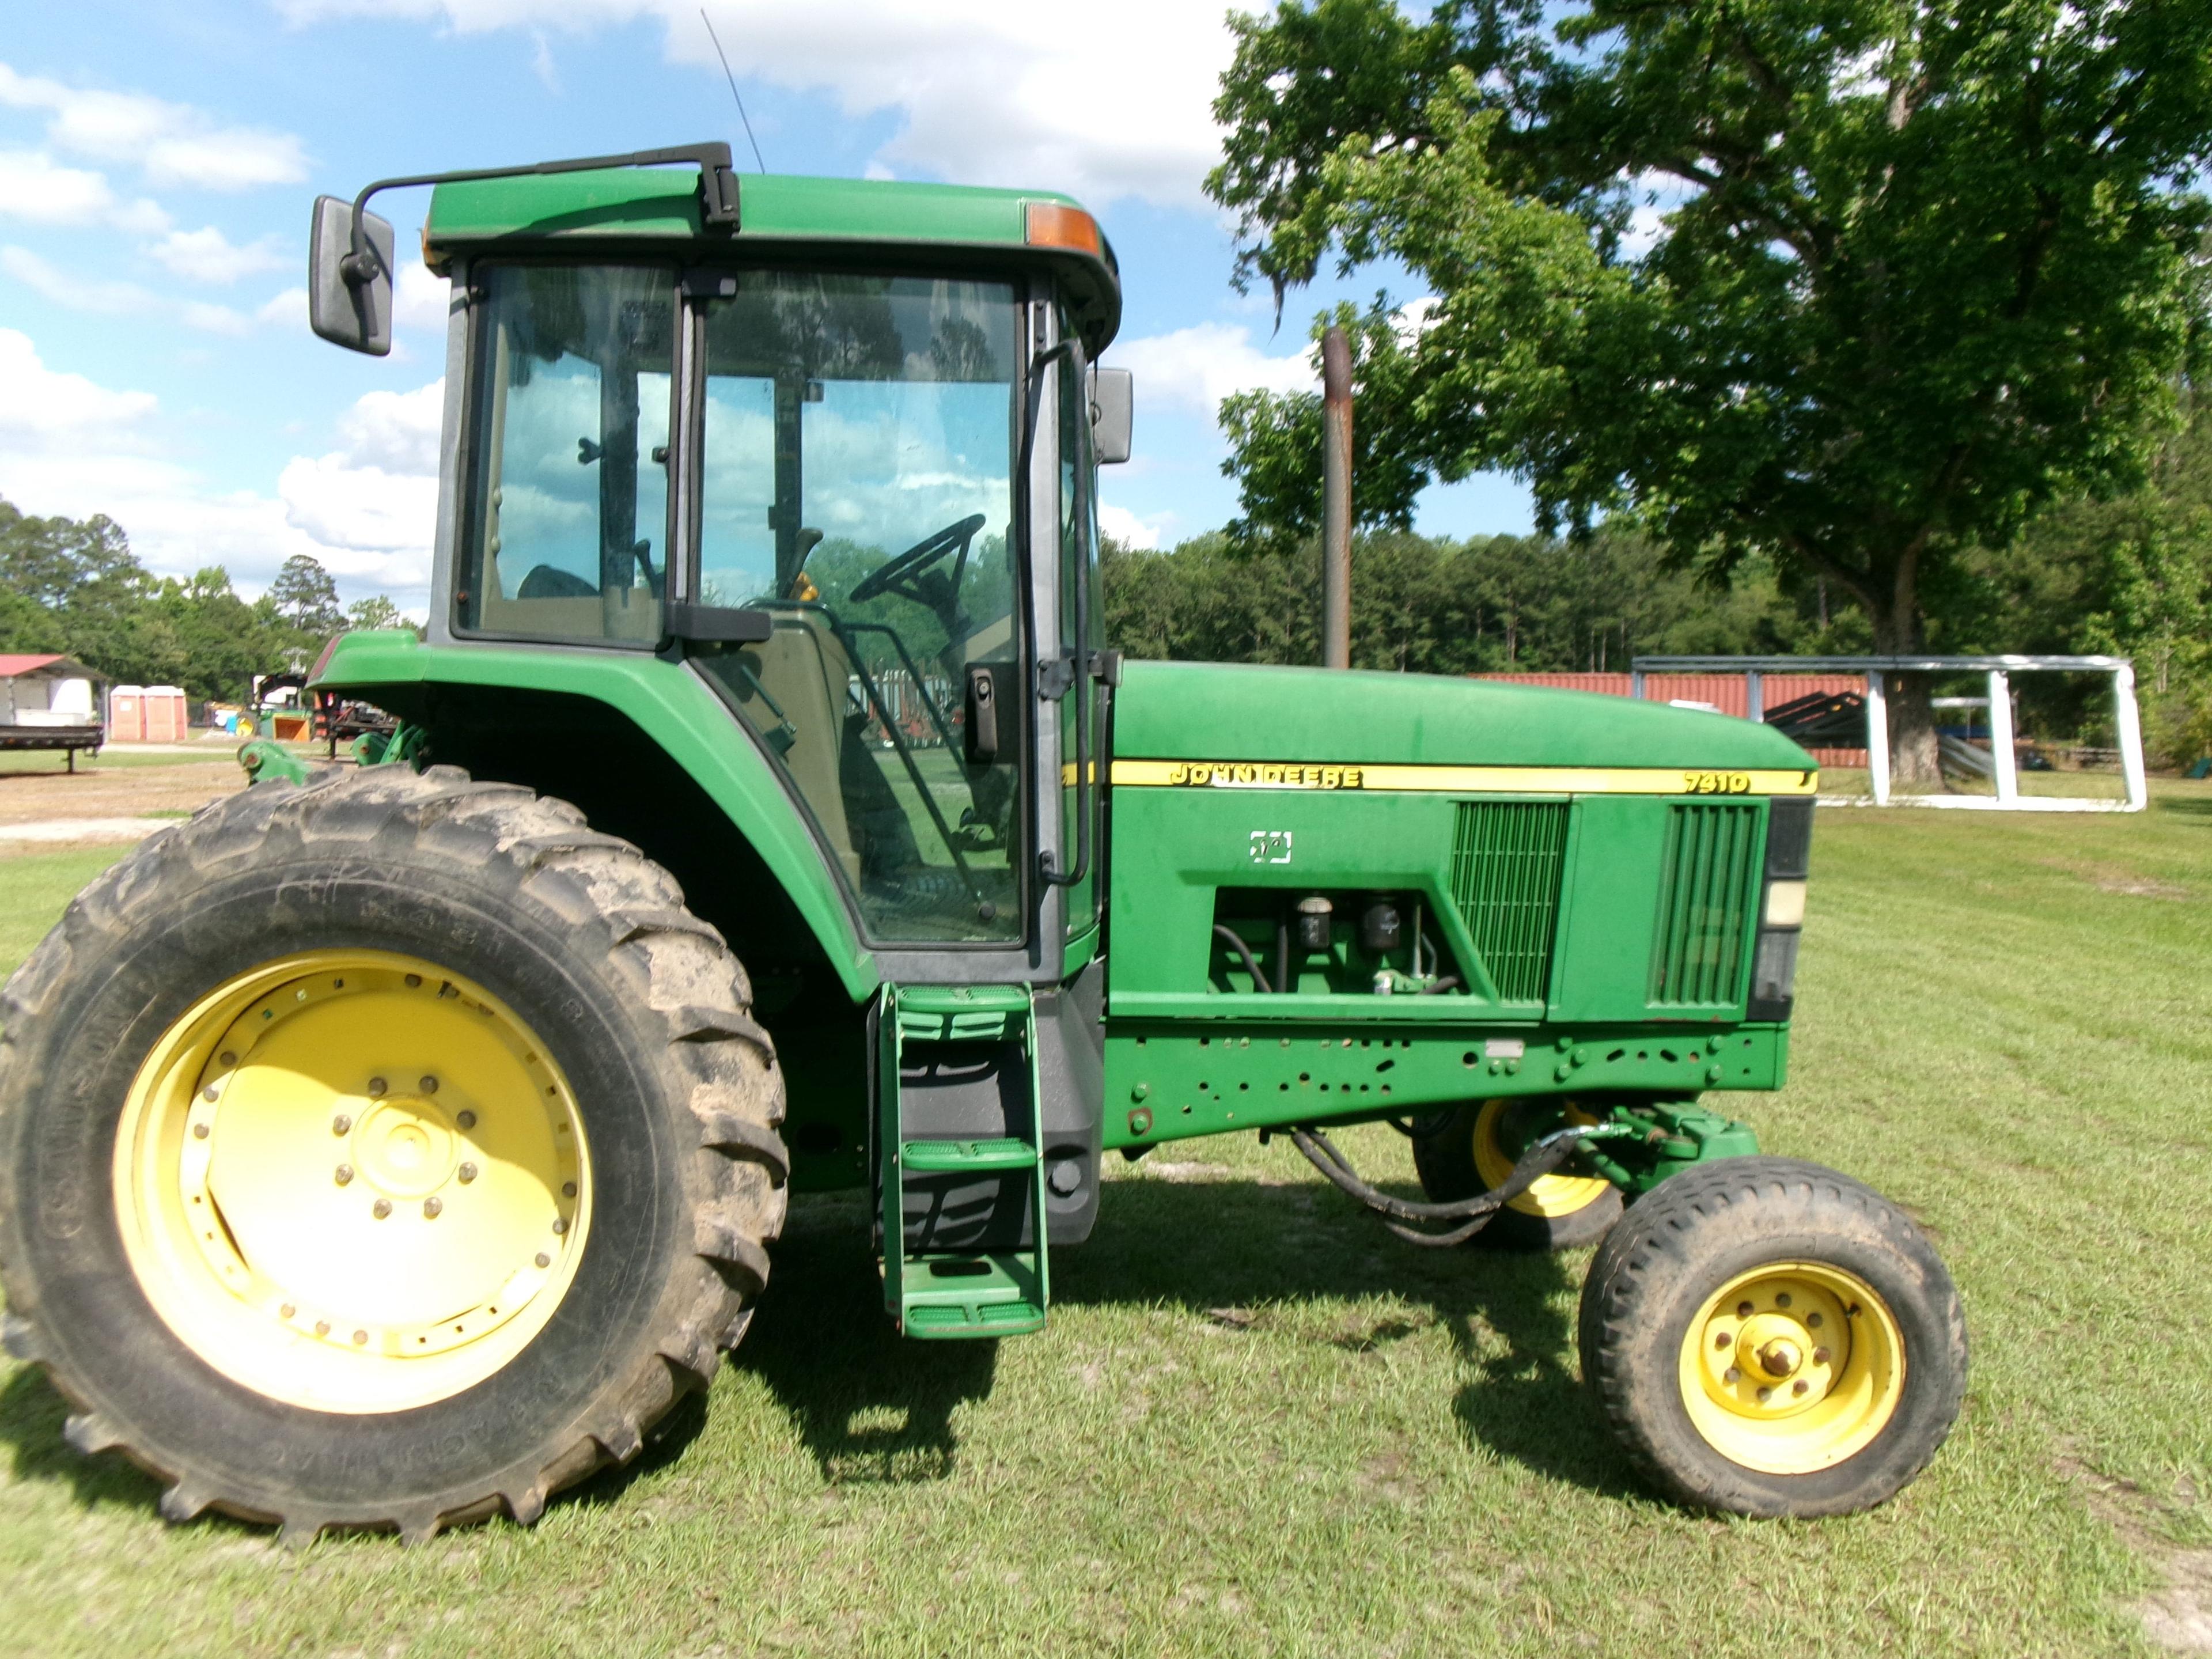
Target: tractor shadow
{"points": [[1225, 1244], [869, 1404]]}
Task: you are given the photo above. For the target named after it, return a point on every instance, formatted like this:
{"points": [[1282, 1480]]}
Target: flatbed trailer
{"points": [[70, 737]]}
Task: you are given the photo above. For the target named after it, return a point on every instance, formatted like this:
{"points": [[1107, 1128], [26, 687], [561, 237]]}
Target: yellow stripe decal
{"points": [[1462, 779]]}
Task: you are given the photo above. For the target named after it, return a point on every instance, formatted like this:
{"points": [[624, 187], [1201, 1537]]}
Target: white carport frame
{"points": [[2127, 723]]}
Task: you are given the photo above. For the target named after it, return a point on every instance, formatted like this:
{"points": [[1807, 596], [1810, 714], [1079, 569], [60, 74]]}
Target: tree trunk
{"points": [[1912, 751]]}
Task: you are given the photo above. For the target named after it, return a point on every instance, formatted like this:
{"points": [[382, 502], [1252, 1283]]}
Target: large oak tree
{"points": [[1857, 284]]}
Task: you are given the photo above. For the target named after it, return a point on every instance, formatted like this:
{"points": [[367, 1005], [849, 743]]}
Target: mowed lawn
{"points": [[1257, 1424]]}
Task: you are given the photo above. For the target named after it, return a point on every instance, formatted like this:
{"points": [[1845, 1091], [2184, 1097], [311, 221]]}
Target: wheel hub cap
{"points": [[1792, 1368], [353, 1182]]}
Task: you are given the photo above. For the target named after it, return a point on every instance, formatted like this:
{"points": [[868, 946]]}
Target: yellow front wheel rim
{"points": [[1792, 1368], [1550, 1195], [353, 1181]]}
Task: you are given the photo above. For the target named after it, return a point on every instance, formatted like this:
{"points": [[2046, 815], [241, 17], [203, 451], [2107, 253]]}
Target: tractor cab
{"points": [[829, 442]]}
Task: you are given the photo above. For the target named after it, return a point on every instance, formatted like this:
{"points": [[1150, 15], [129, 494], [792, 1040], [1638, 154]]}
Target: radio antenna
{"points": [[732, 80]]}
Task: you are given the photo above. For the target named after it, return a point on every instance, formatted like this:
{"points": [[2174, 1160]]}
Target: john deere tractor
{"points": [[392, 1144]]}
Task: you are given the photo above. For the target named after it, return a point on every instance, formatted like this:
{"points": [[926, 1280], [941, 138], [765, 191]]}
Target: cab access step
{"points": [[961, 1161]]}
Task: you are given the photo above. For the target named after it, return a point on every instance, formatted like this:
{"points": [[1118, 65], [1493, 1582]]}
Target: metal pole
{"points": [[1877, 712], [2001, 738], [1754, 696], [2128, 729], [1336, 501]]}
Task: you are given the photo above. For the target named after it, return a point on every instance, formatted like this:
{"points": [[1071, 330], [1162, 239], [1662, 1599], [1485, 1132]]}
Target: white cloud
{"points": [[111, 298], [367, 510], [173, 143], [40, 408], [208, 256], [1047, 94], [422, 300], [33, 187], [215, 320], [102, 296], [1194, 368], [289, 308], [1126, 528]]}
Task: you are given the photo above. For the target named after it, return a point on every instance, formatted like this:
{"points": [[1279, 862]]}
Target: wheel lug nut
{"points": [[1819, 1356], [468, 1173], [1731, 1375], [544, 1259], [376, 1088], [1783, 1300], [208, 1093], [359, 1338], [429, 1086], [287, 1311], [560, 1226], [431, 1206], [227, 1058], [1743, 1310], [1766, 1394], [344, 1174], [341, 1123], [1723, 1340], [568, 1190], [466, 1120], [199, 1132], [322, 1328], [1814, 1320], [1801, 1385], [381, 1208]]}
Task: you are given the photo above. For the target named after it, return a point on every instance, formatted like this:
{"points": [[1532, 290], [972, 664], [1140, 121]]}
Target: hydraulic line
{"points": [[1542, 1158], [1235, 942]]}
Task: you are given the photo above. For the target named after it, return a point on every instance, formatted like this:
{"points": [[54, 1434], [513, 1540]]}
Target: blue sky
{"points": [[157, 162]]}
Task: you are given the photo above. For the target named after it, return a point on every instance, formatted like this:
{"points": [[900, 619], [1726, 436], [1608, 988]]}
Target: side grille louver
{"points": [[1506, 862], [1704, 906]]}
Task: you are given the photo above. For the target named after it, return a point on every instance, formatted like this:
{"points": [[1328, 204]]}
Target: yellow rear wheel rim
{"points": [[353, 1181], [1792, 1368], [1550, 1195]]}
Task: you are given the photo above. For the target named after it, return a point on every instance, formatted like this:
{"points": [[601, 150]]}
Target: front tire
{"points": [[295, 1077], [1770, 1338]]}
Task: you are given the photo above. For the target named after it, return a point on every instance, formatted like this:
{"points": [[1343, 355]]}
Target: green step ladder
{"points": [[932, 1293]]}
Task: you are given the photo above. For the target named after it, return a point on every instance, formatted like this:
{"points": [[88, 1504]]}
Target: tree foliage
{"points": [[1858, 287], [74, 586]]}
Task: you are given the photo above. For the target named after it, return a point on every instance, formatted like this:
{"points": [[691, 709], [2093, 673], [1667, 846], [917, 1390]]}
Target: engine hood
{"points": [[1206, 713]]}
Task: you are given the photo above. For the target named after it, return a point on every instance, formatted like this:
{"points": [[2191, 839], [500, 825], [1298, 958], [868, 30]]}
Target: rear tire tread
{"points": [[681, 966]]}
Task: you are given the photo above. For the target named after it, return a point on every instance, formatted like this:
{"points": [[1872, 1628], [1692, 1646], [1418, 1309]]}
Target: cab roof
{"points": [[780, 215]]}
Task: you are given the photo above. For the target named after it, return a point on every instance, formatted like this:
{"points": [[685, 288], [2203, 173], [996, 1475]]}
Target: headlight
{"points": [[1781, 909]]}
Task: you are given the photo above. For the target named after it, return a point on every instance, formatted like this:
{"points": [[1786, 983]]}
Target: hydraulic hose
{"points": [[1543, 1157], [1235, 942]]}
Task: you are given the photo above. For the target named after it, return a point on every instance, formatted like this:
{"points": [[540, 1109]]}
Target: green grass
{"points": [[33, 760], [2006, 1023]]}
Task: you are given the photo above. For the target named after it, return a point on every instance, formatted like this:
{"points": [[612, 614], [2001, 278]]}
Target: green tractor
{"points": [[391, 1145]]}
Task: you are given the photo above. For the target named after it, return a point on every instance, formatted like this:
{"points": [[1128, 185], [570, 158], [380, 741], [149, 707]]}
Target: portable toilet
{"points": [[166, 718], [127, 714]]}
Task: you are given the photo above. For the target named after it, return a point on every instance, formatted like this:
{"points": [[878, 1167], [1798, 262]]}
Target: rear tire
{"points": [[1770, 1338], [1464, 1157], [575, 944]]}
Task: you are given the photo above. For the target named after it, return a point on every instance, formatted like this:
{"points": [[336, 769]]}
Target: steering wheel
{"points": [[897, 575]]}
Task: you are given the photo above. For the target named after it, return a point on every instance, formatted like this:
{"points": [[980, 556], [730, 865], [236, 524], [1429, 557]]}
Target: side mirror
{"points": [[1113, 411], [350, 303]]}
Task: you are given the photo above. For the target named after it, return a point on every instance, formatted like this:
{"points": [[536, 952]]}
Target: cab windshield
{"points": [[857, 456]]}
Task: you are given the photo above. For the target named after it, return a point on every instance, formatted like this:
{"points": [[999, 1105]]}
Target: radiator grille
{"points": [[1705, 905], [1506, 859]]}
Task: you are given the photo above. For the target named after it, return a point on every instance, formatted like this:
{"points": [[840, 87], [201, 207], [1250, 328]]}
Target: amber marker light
{"points": [[1052, 224]]}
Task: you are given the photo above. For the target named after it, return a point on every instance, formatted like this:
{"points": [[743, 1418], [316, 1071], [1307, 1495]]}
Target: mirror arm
{"points": [[718, 189]]}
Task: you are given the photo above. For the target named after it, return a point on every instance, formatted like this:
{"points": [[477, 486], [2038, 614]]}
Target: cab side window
{"points": [[567, 531]]}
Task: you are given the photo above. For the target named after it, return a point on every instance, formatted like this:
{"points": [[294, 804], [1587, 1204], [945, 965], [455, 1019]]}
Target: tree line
{"points": [[74, 586], [2131, 576]]}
